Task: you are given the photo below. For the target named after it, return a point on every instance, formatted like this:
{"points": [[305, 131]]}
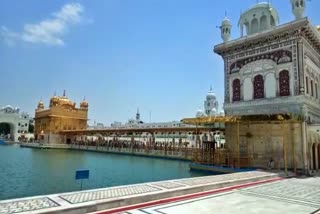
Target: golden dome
{"points": [[62, 101], [54, 101], [84, 104], [318, 28], [40, 105]]}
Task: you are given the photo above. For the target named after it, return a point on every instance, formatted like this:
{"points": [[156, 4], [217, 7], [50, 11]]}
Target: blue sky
{"points": [[119, 54]]}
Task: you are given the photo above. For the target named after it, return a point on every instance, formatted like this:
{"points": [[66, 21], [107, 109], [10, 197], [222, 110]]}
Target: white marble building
{"points": [[18, 122], [211, 106], [138, 123], [272, 68]]}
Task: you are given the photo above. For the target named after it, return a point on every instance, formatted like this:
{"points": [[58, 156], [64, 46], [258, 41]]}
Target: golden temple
{"points": [[61, 115]]}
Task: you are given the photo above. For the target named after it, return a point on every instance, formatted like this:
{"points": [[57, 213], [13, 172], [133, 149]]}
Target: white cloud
{"points": [[49, 31]]}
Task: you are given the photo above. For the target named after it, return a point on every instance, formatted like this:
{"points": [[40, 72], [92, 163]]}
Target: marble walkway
{"points": [[107, 198], [294, 196]]}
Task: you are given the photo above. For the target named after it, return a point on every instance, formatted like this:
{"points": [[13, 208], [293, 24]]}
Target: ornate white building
{"points": [[272, 68], [211, 106], [18, 122]]}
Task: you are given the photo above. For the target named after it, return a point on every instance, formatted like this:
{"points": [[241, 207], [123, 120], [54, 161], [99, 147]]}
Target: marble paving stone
{"points": [[26, 205], [221, 178], [168, 185], [108, 193], [292, 189], [227, 203]]}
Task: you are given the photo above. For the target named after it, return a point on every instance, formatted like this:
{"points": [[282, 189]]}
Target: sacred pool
{"points": [[28, 172]]}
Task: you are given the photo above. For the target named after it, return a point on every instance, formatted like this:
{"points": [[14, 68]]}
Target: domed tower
{"points": [[298, 8], [225, 29], [84, 104], [262, 16], [211, 104], [40, 105], [138, 115]]}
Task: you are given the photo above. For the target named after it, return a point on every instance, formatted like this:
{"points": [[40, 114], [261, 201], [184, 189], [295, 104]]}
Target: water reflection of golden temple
{"points": [[62, 114]]}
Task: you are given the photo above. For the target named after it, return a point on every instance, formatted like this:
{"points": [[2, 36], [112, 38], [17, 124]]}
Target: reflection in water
{"points": [[27, 172]]}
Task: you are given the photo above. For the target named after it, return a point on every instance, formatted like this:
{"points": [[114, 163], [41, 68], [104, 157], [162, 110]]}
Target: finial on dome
{"points": [[40, 104], [298, 8], [64, 92], [210, 87], [84, 104]]}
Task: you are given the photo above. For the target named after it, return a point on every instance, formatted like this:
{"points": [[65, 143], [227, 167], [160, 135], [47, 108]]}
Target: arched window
{"points": [[236, 90], [272, 21], [263, 23], [284, 83], [254, 26], [258, 85]]}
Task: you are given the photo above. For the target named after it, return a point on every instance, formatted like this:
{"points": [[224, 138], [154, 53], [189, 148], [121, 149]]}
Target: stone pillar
{"points": [[301, 67], [311, 159], [316, 157], [132, 142], [305, 147]]}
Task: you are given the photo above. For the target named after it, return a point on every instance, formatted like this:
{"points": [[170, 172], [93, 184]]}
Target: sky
{"points": [[155, 55]]}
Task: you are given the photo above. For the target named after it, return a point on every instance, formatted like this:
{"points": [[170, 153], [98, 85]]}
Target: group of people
{"points": [[135, 145]]}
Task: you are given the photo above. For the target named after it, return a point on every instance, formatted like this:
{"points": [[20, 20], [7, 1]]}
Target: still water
{"points": [[28, 172]]}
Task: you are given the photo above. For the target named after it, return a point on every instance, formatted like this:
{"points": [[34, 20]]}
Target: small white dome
{"points": [[8, 107], [213, 112], [211, 94], [200, 113], [226, 21]]}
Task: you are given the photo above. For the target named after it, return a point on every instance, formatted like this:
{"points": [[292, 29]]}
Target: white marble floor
{"points": [[294, 196]]}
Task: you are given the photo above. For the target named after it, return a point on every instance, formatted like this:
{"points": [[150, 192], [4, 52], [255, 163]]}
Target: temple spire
{"points": [[64, 92]]}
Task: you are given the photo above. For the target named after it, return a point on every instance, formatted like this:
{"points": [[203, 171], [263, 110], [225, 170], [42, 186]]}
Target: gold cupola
{"points": [[64, 101], [84, 104], [40, 105], [54, 101]]}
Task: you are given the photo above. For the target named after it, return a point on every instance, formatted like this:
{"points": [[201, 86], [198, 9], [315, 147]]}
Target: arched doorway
{"points": [[7, 131]]}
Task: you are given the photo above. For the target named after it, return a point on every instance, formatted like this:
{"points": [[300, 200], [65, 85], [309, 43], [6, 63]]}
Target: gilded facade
{"points": [[61, 115]]}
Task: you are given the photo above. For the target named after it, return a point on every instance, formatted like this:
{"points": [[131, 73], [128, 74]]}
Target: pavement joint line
{"points": [[185, 197]]}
